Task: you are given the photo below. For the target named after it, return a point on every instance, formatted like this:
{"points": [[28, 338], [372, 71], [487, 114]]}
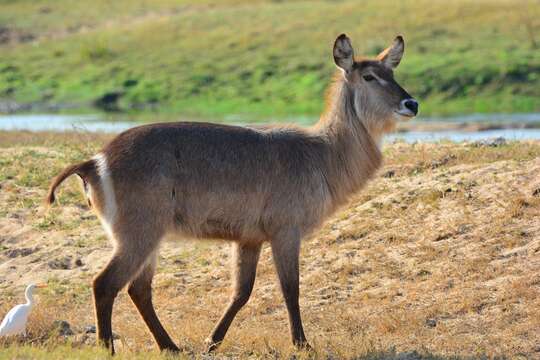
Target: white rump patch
{"points": [[108, 215]]}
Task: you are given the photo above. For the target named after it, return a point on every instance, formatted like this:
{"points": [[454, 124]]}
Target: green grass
{"points": [[243, 60]]}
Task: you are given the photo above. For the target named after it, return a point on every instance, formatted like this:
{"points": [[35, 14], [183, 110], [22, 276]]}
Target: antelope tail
{"points": [[83, 169]]}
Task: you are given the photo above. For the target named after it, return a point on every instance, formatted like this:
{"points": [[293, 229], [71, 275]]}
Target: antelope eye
{"points": [[368, 77]]}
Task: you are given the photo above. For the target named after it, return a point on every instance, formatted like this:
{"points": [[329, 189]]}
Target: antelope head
{"points": [[379, 101]]}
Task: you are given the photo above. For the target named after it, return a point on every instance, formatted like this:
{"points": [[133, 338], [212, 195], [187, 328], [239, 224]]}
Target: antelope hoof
{"points": [[107, 344], [211, 345], [303, 346], [171, 349]]}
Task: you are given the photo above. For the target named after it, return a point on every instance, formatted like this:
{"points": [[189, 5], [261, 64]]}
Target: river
{"points": [[509, 126]]}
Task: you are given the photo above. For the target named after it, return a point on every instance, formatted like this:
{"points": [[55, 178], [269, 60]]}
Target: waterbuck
{"points": [[246, 185]]}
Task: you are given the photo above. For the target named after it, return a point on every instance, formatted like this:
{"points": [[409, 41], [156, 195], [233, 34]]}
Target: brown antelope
{"points": [[246, 185]]}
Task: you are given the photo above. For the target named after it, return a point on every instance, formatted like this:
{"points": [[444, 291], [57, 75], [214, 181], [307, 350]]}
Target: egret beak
{"points": [[41, 285]]}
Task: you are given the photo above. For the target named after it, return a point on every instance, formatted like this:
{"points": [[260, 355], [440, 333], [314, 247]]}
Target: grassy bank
{"points": [[438, 258], [259, 59]]}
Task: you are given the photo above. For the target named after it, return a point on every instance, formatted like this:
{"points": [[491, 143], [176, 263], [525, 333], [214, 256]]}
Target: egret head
{"points": [[30, 288]]}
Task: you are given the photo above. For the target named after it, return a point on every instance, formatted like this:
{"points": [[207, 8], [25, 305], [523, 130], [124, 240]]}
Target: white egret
{"points": [[15, 321]]}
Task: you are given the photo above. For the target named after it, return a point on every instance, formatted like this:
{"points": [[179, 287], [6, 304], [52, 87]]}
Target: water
{"points": [[491, 118], [45, 122], [459, 136], [96, 123]]}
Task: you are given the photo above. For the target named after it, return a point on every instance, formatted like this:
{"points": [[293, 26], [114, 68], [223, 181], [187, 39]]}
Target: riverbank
{"points": [[275, 61], [437, 257], [470, 128]]}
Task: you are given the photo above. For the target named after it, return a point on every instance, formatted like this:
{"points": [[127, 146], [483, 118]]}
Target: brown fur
{"points": [[246, 185], [83, 169]]}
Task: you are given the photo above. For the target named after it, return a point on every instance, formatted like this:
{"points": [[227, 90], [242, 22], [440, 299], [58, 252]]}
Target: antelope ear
{"points": [[343, 53], [391, 56]]}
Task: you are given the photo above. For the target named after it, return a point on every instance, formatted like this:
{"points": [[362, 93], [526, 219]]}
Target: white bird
{"points": [[15, 321]]}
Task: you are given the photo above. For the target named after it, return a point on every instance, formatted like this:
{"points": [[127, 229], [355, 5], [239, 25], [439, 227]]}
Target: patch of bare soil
{"points": [[10, 35]]}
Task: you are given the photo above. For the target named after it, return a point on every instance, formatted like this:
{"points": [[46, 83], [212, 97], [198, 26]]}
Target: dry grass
{"points": [[438, 257]]}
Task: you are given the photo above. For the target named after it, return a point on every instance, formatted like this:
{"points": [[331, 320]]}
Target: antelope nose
{"points": [[412, 105]]}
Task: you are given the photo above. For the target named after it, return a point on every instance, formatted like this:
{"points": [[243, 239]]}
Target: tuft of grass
{"points": [[96, 51]]}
